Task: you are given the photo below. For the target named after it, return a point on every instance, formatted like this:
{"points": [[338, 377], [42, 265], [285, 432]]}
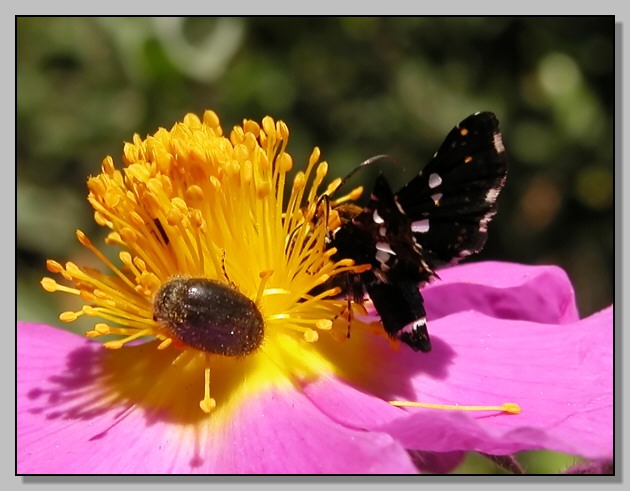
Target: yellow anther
{"points": [[53, 266], [89, 311], [322, 170], [269, 126], [324, 324], [125, 258], [102, 328], [207, 404], [283, 129], [100, 219], [196, 218], [250, 127], [315, 154], [346, 262], [264, 189], [299, 182], [511, 407], [310, 335], [87, 296], [114, 344], [83, 239], [174, 216], [136, 218], [112, 197], [49, 284], [194, 193], [284, 162], [355, 194], [323, 279], [211, 119], [165, 344], [68, 316]]}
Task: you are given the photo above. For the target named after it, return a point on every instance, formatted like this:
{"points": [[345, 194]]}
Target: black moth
{"points": [[439, 217]]}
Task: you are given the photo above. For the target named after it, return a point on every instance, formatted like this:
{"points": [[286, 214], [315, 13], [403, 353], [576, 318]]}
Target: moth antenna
{"points": [[363, 164], [324, 198]]}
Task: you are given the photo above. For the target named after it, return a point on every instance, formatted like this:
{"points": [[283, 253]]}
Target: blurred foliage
{"points": [[532, 462], [355, 87]]}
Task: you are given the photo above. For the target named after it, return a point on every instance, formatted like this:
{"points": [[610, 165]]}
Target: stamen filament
{"points": [[87, 243], [264, 279], [120, 342], [508, 407], [207, 404]]}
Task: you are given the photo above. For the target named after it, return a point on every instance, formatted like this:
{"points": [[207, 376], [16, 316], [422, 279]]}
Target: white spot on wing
{"points": [[384, 247], [412, 327], [382, 257], [483, 223], [498, 143], [420, 226], [492, 194], [426, 267], [436, 198], [400, 209], [434, 180], [377, 218], [464, 253]]}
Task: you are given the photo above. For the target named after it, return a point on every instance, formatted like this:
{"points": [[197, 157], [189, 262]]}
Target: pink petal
{"points": [[284, 432], [504, 290], [560, 375], [67, 425]]}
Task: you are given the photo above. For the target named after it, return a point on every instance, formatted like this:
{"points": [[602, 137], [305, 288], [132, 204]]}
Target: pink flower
{"points": [[501, 333], [228, 350]]}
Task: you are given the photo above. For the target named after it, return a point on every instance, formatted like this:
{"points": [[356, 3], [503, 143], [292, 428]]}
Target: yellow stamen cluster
{"points": [[190, 202]]}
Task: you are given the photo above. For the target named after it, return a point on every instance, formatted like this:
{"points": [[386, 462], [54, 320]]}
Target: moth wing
{"points": [[452, 200]]}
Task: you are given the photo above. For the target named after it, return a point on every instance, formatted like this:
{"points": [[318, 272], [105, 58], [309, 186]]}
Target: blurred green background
{"points": [[355, 87]]}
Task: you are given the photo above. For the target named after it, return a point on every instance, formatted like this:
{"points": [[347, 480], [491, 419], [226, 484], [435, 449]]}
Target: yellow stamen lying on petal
{"points": [[507, 407]]}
